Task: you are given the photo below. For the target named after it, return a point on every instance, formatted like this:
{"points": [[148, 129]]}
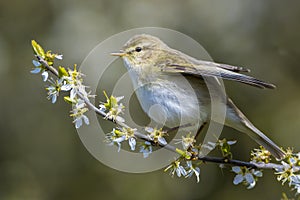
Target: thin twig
{"points": [[45, 64], [241, 163]]}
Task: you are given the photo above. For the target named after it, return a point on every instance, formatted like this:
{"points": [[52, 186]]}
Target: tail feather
{"points": [[237, 120], [264, 141]]}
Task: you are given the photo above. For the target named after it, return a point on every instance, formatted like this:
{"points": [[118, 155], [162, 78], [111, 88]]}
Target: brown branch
{"points": [[240, 163]]}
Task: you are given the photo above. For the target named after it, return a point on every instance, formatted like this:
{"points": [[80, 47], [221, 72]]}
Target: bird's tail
{"points": [[237, 120]]}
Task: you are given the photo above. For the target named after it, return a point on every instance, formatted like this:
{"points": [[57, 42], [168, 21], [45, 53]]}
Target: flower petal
{"points": [[59, 57], [86, 119], [236, 169], [119, 98], [197, 173], [231, 142], [238, 179], [249, 178], [182, 170], [53, 98], [162, 141], [78, 122], [120, 119], [119, 146], [258, 173], [36, 71], [132, 143], [251, 185], [36, 63], [66, 87], [178, 172], [73, 93], [149, 129], [45, 76], [120, 139]]}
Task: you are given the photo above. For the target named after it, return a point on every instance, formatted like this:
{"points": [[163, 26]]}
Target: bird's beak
{"points": [[120, 53]]}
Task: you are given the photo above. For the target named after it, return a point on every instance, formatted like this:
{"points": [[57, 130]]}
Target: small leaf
{"points": [[62, 72], [69, 100], [108, 102], [38, 50], [113, 101], [225, 148], [183, 153]]}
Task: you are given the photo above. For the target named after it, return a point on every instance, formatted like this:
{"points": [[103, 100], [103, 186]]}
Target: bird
{"points": [[178, 82]]}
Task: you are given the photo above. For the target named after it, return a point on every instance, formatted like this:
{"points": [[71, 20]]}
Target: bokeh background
{"points": [[41, 155]]}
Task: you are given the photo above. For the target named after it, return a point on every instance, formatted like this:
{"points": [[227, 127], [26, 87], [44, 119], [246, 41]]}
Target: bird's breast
{"points": [[172, 100]]}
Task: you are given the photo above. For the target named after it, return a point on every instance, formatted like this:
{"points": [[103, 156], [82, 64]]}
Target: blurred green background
{"points": [[41, 155]]}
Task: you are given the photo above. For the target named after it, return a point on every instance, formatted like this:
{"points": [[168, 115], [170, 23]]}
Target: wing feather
{"points": [[218, 70]]}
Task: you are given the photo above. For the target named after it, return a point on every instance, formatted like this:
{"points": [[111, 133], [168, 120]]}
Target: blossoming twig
{"points": [[247, 173]]}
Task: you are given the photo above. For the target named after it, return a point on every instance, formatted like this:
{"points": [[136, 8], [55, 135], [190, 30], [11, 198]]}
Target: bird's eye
{"points": [[138, 49]]}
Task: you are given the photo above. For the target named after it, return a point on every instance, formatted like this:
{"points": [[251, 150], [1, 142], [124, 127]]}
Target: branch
{"points": [[240, 163], [48, 67]]}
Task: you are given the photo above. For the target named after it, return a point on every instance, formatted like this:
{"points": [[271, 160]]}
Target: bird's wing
{"points": [[223, 66], [217, 70]]}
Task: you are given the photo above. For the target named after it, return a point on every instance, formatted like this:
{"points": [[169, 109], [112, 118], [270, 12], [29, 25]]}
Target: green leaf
{"points": [[69, 100], [38, 50], [113, 101], [119, 133], [183, 153], [62, 72], [108, 102]]}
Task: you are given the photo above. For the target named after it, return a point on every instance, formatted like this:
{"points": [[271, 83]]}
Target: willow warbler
{"points": [[159, 74]]}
